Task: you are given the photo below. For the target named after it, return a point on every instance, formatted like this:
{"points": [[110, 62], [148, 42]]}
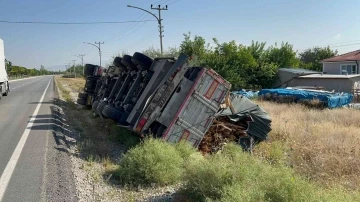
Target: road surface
{"points": [[32, 167]]}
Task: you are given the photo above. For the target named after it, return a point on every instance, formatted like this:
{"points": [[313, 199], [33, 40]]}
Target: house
{"points": [[303, 78], [347, 63], [284, 76], [331, 82]]}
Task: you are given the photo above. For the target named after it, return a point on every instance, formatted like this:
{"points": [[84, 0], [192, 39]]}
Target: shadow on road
{"points": [[63, 134]]}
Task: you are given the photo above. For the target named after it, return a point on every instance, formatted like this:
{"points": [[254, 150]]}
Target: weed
{"points": [[152, 161], [322, 145]]}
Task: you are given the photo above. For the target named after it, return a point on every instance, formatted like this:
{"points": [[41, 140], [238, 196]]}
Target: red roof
{"points": [[354, 55]]}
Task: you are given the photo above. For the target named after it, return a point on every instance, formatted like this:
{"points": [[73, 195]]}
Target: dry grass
{"points": [[322, 145], [76, 84]]}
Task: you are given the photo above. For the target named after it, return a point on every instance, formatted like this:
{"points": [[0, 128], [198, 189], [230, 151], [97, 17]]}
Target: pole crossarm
{"points": [[145, 11], [93, 45]]}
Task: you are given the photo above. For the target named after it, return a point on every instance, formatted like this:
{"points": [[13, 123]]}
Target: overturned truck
{"points": [[163, 97]]}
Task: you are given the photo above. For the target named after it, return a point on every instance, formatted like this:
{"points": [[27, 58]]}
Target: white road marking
{"points": [[10, 167]]}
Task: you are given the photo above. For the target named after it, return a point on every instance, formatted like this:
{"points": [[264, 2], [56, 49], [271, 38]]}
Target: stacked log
{"points": [[222, 131]]}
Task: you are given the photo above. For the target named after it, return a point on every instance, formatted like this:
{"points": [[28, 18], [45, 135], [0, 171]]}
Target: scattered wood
{"points": [[221, 132]]}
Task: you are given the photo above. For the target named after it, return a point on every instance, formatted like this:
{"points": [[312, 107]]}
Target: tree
{"points": [[310, 58], [155, 53], [283, 56], [194, 48]]}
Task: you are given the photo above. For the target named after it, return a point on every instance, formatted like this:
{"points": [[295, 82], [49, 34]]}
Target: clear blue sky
{"points": [[303, 23]]}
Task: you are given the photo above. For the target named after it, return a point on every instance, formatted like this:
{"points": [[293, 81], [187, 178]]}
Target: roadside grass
{"points": [[321, 145], [151, 162], [74, 83], [231, 175]]}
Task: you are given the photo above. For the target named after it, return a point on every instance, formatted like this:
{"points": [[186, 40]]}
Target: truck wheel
{"points": [[126, 60], [124, 116], [100, 107], [117, 63], [83, 95], [143, 60], [94, 105], [81, 101], [90, 84], [89, 90], [6, 92], [89, 69], [112, 112]]}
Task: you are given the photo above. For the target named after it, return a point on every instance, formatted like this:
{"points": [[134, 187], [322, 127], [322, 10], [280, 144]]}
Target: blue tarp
{"points": [[332, 100], [248, 94]]}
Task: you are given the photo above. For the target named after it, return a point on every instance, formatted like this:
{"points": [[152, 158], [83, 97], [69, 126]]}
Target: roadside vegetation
{"points": [[15, 72]]}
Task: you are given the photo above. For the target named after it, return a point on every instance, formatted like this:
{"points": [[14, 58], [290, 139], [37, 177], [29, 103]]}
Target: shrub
{"points": [[185, 149], [238, 176], [206, 177], [152, 161]]}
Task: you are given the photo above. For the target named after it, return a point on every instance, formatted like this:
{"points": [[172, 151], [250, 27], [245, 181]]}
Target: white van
{"points": [[4, 82]]}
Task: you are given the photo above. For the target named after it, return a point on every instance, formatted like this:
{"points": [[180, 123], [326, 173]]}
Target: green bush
{"points": [[185, 149], [152, 161], [233, 175], [206, 177]]}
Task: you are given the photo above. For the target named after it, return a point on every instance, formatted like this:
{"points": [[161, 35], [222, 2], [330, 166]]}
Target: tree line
{"points": [[253, 66], [13, 70]]}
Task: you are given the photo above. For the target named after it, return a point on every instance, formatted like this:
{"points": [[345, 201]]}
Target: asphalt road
{"points": [[32, 167]]}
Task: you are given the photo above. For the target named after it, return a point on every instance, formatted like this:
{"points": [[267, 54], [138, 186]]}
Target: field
{"points": [[311, 155], [321, 145]]}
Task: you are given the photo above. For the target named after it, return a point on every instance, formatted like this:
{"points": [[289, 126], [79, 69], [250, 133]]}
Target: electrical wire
{"points": [[129, 27], [173, 2], [73, 23]]}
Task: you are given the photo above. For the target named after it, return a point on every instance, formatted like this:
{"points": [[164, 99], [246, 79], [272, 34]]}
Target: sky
{"points": [[302, 23]]}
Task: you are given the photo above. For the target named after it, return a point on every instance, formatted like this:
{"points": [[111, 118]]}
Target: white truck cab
{"points": [[4, 82]]}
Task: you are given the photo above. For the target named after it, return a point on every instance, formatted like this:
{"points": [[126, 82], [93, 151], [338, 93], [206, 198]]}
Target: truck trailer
{"points": [[4, 82]]}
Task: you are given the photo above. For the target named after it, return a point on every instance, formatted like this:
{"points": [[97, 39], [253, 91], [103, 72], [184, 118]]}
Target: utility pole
{"points": [[81, 56], [158, 19], [98, 47], [74, 67]]}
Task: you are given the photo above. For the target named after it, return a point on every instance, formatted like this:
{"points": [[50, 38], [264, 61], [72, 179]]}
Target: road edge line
{"points": [[10, 167]]}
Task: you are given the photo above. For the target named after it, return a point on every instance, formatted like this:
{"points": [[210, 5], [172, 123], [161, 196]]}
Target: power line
{"points": [[72, 23], [129, 27], [173, 2]]}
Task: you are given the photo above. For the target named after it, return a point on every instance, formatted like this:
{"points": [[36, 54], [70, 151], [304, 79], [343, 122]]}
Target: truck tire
{"points": [[117, 63], [100, 107], [89, 69], [143, 60], [6, 92], [124, 116], [94, 105], [92, 78], [81, 101], [89, 90], [112, 112], [126, 60], [90, 84], [83, 95]]}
